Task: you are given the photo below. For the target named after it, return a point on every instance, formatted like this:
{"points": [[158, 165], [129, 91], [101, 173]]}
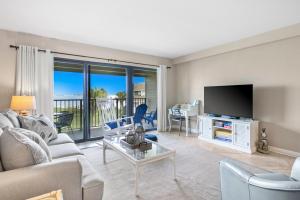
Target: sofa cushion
{"points": [[62, 138], [37, 139], [5, 122], [13, 117], [64, 150], [41, 125], [17, 150]]}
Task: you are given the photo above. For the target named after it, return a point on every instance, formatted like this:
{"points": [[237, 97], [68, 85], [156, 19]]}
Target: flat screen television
{"points": [[231, 100]]}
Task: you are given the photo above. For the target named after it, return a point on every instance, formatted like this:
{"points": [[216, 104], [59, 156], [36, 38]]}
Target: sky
{"points": [[70, 84]]}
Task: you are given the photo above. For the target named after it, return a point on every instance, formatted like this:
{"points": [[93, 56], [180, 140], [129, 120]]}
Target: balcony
{"points": [[73, 109]]}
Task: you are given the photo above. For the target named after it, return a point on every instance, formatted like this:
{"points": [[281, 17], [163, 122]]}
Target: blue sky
{"points": [[71, 83]]}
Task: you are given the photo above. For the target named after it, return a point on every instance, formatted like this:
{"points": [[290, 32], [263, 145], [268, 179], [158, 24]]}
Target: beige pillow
{"points": [[18, 150], [13, 117], [4, 121], [41, 125], [37, 139]]}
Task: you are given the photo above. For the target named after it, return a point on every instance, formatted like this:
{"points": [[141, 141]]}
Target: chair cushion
{"points": [[62, 138], [112, 125], [64, 150], [178, 118], [18, 150], [5, 122], [13, 117], [41, 125], [151, 137]]}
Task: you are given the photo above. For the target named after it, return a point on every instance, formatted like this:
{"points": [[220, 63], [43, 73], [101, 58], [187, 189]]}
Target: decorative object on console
{"points": [[136, 139], [23, 104], [263, 144]]}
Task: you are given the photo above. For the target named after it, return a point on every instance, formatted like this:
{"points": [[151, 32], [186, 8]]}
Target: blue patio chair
{"points": [[139, 114], [151, 117]]}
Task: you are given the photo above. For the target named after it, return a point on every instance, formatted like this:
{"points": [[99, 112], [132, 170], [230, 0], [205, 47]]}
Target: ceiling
{"points": [[166, 28]]}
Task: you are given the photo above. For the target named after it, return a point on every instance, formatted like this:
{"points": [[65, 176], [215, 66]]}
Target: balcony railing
{"points": [[75, 106]]}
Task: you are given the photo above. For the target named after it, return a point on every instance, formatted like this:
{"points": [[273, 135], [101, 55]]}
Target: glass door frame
{"points": [[86, 87]]}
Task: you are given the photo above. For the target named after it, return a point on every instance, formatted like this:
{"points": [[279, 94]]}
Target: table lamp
{"points": [[23, 104]]}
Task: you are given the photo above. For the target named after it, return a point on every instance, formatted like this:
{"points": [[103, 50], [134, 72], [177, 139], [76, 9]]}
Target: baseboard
{"points": [[271, 148], [284, 151]]}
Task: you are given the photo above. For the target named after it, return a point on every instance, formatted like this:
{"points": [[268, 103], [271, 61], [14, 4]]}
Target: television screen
{"points": [[232, 100]]}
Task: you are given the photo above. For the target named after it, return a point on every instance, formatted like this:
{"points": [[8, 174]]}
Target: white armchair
{"points": [[238, 181]]}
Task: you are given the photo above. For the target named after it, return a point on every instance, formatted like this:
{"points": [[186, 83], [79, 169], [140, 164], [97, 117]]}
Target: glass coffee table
{"points": [[139, 158]]}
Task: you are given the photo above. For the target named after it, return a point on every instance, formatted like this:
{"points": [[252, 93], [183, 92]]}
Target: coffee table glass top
{"points": [[156, 150]]}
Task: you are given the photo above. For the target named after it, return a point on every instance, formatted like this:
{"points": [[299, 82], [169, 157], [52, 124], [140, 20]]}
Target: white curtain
{"points": [[162, 98], [34, 77]]}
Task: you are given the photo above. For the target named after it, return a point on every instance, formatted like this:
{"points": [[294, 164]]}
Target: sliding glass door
{"points": [[77, 85], [68, 98], [107, 82]]}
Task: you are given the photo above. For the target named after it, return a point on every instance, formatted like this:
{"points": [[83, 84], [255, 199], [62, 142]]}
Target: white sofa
{"points": [[69, 171]]}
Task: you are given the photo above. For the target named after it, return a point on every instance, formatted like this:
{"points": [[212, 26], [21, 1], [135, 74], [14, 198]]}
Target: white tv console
{"points": [[239, 134]]}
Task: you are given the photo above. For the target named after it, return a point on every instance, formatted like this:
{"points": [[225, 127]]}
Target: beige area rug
{"points": [[197, 173], [197, 170]]}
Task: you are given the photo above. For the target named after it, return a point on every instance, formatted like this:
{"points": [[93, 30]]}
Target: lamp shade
{"points": [[20, 103]]}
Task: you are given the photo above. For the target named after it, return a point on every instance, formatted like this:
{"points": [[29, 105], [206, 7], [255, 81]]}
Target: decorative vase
{"points": [[263, 144]]}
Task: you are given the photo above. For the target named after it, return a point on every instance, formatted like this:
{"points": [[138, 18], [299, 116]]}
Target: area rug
{"points": [[197, 173]]}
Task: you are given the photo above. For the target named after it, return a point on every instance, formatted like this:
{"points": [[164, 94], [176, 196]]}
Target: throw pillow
{"points": [[17, 150], [13, 117], [5, 122], [41, 125], [37, 139]]}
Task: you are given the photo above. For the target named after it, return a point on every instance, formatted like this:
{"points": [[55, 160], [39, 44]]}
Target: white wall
{"points": [[151, 91], [273, 68]]}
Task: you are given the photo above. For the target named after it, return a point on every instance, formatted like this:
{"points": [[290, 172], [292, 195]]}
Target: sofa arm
{"points": [[39, 179], [275, 181], [234, 180], [296, 169], [277, 187], [92, 185]]}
